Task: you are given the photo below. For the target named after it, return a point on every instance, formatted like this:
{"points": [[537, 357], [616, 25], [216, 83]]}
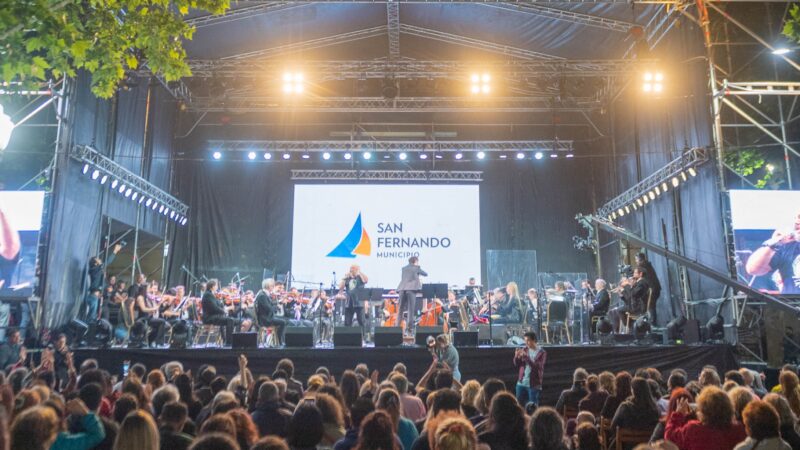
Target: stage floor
{"points": [[476, 362]]}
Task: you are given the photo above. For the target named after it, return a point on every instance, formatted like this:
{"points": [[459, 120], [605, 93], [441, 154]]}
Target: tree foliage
{"points": [[791, 28], [751, 165], [52, 38]]}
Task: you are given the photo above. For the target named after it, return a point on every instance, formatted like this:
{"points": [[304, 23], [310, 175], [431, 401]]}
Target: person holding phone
{"points": [[529, 361]]}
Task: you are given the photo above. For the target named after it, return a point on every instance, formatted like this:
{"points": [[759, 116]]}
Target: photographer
{"points": [[97, 269], [444, 352], [529, 362]]}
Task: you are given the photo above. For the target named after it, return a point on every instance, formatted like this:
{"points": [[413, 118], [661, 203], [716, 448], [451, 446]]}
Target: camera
{"points": [[123, 243], [430, 341]]}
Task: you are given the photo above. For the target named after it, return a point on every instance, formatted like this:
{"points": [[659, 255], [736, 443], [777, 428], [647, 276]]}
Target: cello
{"points": [[430, 315], [390, 312]]}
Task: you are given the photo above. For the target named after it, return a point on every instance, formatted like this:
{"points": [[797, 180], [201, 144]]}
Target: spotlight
{"points": [[604, 326], [155, 205], [503, 156], [658, 190], [613, 215], [620, 212], [675, 328], [326, 156], [267, 156], [172, 215], [641, 327], [95, 174], [683, 176], [423, 156], [217, 155], [293, 83], [85, 168], [103, 179], [286, 156], [128, 192], [389, 88], [366, 155], [480, 83], [348, 155], [161, 209], [664, 186], [570, 155], [135, 194], [781, 51], [716, 328], [305, 156], [149, 202], [184, 220], [675, 182], [166, 211], [251, 156], [693, 172], [639, 202], [122, 188], [521, 155], [114, 184], [459, 155], [402, 156], [646, 199], [537, 155], [653, 82], [634, 206], [554, 155], [627, 210], [770, 168], [141, 199], [481, 155]]}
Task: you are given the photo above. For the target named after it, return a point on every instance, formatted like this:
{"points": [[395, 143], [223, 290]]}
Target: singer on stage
{"points": [[353, 284], [780, 253], [408, 288]]}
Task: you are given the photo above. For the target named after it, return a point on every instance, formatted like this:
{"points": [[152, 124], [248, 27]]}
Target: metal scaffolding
{"points": [[387, 175], [378, 145], [565, 15]]}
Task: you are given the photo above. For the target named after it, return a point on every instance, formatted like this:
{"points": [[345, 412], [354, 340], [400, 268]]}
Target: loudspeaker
{"points": [[180, 335], [246, 340], [299, 337], [691, 332], [465, 338], [624, 338], [423, 332], [75, 330], [388, 336], [498, 334], [347, 337]]}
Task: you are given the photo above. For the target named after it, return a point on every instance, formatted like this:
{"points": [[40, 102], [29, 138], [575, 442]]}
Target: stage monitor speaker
{"points": [[75, 331], [498, 334], [423, 332], [388, 336], [624, 338], [299, 337], [691, 332], [465, 338], [246, 340], [347, 337]]}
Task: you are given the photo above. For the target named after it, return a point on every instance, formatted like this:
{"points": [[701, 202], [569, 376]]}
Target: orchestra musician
{"points": [[215, 312], [146, 308], [265, 308], [320, 312], [509, 309], [353, 284], [601, 301], [409, 285], [649, 273], [532, 299], [634, 295]]}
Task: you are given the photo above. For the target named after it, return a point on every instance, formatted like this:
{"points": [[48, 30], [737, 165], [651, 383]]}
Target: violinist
{"points": [[532, 300], [247, 309], [265, 308], [215, 312], [510, 310], [320, 311], [356, 295], [147, 308]]}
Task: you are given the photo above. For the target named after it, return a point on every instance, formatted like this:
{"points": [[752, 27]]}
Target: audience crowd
{"points": [[59, 406]]}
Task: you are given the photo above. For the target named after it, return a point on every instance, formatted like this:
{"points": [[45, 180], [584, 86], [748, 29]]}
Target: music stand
{"points": [[434, 290]]}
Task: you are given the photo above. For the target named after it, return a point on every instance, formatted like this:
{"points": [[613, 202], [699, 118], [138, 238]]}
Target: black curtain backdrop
{"points": [[241, 217]]}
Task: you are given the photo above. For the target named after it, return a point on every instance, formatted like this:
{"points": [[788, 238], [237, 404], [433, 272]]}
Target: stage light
{"points": [[770, 168], [103, 179], [652, 195], [135, 194], [664, 186], [366, 155], [141, 199], [627, 209], [716, 328], [675, 329], [480, 83], [639, 202], [114, 184], [183, 222], [459, 155], [149, 202], [683, 176], [122, 188], [251, 156], [646, 199], [781, 51], [641, 327], [437, 156], [166, 211], [155, 205], [402, 156], [692, 172], [267, 156], [128, 192], [347, 156], [305, 156], [286, 156], [85, 168], [172, 215], [161, 209], [503, 156], [658, 190], [293, 83], [6, 128], [554, 155], [634, 206], [537, 155], [95, 174], [613, 215], [521, 155], [326, 156], [675, 182], [570, 155], [217, 155], [620, 212], [653, 82], [423, 156], [481, 155]]}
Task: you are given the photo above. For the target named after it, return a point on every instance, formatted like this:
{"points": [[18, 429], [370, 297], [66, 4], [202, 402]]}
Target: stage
{"points": [[479, 363]]}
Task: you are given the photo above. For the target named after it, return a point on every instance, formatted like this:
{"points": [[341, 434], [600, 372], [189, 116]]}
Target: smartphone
{"points": [[126, 365]]}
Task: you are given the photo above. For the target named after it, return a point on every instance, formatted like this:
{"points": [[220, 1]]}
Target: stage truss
{"points": [[392, 146], [387, 175]]}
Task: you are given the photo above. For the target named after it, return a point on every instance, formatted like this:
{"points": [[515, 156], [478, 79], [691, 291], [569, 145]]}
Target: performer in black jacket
{"points": [[215, 312], [636, 293], [601, 302], [652, 281], [265, 309]]}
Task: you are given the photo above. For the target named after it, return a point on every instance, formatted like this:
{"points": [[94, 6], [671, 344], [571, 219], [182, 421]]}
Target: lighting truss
{"points": [[388, 175], [759, 88], [254, 103], [405, 146], [410, 69], [676, 169], [106, 166]]}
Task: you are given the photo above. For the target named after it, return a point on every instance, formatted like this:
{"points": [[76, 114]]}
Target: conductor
{"points": [[408, 288]]}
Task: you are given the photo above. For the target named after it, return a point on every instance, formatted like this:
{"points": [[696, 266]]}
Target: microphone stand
{"points": [[491, 337]]}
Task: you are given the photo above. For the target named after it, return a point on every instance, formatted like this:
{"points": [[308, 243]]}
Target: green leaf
{"points": [[132, 62]]}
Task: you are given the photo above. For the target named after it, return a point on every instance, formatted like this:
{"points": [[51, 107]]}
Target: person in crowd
{"points": [[12, 352], [138, 432], [270, 415], [529, 362], [91, 394], [270, 443], [456, 433], [350, 387], [676, 395], [640, 411], [622, 390], [546, 430], [389, 401], [763, 425], [469, 393], [506, 427], [215, 441], [714, 428], [586, 438], [172, 420], [294, 386], [377, 433], [740, 397], [790, 388], [332, 419], [595, 399], [445, 403], [788, 420], [358, 411], [569, 398], [709, 377], [489, 389], [306, 428]]}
